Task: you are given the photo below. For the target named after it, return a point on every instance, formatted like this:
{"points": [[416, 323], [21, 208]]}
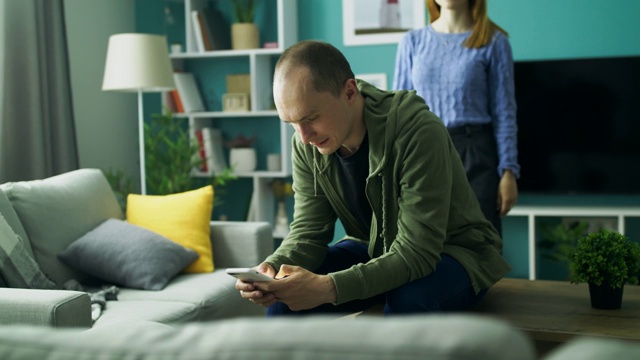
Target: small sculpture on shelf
{"points": [[281, 190]]}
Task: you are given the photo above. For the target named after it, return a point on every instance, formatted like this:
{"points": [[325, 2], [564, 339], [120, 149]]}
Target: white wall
{"points": [[106, 122]]}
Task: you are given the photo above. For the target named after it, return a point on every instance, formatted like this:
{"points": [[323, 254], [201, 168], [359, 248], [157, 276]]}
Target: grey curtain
{"points": [[37, 132]]}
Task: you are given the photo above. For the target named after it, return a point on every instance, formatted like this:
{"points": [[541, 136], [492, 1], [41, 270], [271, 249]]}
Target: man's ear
{"points": [[351, 89]]}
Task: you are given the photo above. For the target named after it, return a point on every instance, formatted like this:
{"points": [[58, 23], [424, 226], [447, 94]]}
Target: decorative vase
{"points": [[243, 159], [605, 297], [281, 228], [245, 36]]}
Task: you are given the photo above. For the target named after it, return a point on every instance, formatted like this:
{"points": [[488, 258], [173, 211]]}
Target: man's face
{"points": [[321, 119]]}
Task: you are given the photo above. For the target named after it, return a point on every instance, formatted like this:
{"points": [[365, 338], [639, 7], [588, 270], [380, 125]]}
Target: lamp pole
{"points": [[143, 180]]}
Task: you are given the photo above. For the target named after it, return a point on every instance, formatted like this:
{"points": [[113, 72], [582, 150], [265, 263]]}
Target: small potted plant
{"points": [[242, 155], [244, 31], [606, 260]]}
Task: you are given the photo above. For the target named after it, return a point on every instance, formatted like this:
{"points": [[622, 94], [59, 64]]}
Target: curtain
{"points": [[37, 132]]}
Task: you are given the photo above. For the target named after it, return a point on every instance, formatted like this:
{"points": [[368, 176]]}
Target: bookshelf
{"points": [[277, 21]]}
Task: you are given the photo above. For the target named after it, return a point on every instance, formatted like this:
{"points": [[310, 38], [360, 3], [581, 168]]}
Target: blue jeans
{"points": [[448, 288]]}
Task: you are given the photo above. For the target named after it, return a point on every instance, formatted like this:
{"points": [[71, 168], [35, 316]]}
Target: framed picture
{"points": [[235, 102], [378, 80], [368, 22]]}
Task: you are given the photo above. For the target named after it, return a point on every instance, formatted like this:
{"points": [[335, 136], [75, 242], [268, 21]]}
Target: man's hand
{"points": [[251, 292], [507, 193], [299, 289]]}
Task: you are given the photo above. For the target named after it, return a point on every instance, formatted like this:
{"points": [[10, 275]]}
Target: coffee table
{"points": [[552, 312]]}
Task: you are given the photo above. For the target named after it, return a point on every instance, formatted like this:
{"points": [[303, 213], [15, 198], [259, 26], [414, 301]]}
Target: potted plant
{"points": [[244, 32], [170, 156], [242, 155], [606, 260]]}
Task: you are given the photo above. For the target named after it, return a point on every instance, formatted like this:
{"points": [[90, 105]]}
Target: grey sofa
{"points": [[435, 337], [51, 213]]}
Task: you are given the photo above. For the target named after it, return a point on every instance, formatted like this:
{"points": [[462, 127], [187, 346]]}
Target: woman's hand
{"points": [[507, 193]]}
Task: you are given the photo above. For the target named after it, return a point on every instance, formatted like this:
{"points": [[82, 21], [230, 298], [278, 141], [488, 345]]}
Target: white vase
{"points": [[243, 159], [281, 228]]}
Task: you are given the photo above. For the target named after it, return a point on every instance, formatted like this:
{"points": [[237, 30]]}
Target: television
{"points": [[579, 126]]}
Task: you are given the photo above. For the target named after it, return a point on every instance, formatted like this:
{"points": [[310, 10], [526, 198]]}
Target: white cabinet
{"points": [[618, 214], [259, 64]]}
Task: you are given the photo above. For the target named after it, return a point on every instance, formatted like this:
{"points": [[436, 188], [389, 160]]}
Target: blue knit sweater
{"points": [[463, 85]]}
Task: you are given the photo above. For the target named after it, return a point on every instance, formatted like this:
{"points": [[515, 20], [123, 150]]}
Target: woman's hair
{"points": [[328, 67], [483, 27]]}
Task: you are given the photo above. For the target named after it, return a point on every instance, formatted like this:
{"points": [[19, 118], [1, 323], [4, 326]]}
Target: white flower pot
{"points": [[243, 159]]}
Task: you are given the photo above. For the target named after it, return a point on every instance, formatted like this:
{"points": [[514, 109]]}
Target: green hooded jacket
{"points": [[422, 204]]}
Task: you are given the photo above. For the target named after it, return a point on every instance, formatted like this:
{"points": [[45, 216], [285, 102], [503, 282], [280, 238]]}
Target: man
{"points": [[384, 165]]}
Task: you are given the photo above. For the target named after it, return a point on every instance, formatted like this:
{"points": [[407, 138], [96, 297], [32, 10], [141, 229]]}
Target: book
{"points": [[206, 34], [188, 92], [217, 29], [201, 151], [212, 139], [168, 102], [176, 101], [197, 31]]}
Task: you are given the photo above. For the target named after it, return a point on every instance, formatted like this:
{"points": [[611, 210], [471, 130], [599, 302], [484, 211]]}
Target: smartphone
{"points": [[248, 274]]}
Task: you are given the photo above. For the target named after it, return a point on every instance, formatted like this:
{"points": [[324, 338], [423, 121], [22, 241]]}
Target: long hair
{"points": [[483, 27]]}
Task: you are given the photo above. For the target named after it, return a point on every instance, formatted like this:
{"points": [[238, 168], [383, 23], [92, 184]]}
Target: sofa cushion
{"points": [[6, 209], [165, 312], [128, 255], [58, 210], [18, 269], [213, 294], [183, 218]]}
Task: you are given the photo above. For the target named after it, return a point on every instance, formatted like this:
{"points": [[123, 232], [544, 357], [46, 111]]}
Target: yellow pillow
{"points": [[183, 218]]}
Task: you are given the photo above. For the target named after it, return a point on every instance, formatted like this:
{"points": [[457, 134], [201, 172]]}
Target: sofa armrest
{"points": [[240, 243], [58, 308]]}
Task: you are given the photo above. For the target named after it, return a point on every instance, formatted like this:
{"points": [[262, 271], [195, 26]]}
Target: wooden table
{"points": [[552, 312]]}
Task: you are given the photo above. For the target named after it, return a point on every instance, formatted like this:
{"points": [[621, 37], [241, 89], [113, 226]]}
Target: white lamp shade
{"points": [[138, 62]]}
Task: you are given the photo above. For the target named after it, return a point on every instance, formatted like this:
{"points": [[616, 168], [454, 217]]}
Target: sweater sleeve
{"points": [[404, 59], [502, 104]]}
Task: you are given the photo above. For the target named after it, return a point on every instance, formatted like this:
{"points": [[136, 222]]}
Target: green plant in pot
{"points": [[170, 157], [244, 31], [606, 260]]}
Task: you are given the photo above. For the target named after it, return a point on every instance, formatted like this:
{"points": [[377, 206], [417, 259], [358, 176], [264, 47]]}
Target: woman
{"points": [[461, 64]]}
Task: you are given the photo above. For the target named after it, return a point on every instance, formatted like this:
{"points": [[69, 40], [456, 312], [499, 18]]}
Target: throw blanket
{"points": [[99, 298]]}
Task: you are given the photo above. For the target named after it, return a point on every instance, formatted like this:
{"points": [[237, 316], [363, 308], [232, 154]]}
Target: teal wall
{"points": [[540, 29]]}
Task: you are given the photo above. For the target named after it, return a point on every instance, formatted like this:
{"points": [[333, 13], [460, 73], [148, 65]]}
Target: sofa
{"points": [[47, 216], [435, 337]]}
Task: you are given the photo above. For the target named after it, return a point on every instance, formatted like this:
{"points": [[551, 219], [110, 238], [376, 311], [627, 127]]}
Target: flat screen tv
{"points": [[579, 126]]}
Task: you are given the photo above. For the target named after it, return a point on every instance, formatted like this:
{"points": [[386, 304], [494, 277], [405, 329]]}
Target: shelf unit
{"points": [[260, 68], [533, 212]]}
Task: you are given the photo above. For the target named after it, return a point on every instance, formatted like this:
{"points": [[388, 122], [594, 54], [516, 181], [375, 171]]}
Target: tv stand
{"points": [[532, 212]]}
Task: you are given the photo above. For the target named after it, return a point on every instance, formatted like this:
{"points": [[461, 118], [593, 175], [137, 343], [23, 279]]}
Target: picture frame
{"points": [[383, 24], [233, 102], [378, 80]]}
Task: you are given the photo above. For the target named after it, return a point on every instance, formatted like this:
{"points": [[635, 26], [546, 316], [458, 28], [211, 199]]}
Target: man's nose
{"points": [[306, 133]]}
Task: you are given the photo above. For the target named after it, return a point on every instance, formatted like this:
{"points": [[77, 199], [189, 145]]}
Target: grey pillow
{"points": [[128, 255], [18, 269], [58, 210]]}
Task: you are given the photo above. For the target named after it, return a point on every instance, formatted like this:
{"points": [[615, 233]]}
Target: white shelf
{"points": [[260, 69], [533, 211]]}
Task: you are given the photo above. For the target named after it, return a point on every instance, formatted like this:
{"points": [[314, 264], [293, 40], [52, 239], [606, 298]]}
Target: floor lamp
{"points": [[138, 63]]}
